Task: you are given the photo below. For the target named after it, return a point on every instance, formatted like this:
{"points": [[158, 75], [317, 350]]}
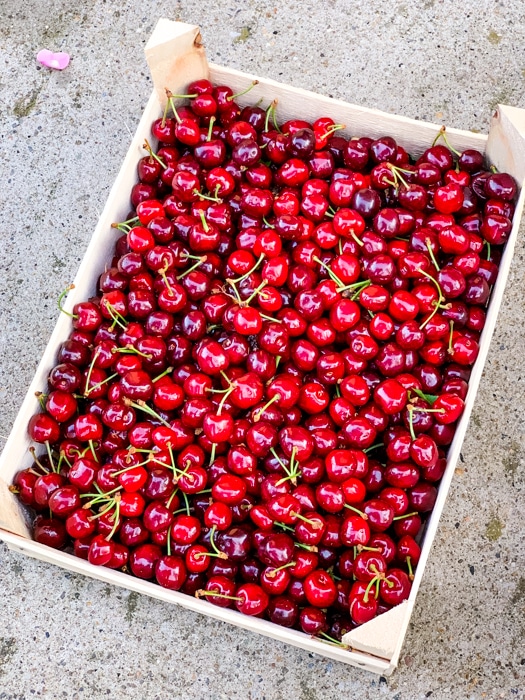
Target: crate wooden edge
{"points": [[203, 607], [176, 39], [84, 287]]}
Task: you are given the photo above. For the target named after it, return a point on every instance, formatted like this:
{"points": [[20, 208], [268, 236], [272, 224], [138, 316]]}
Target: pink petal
{"points": [[58, 61]]}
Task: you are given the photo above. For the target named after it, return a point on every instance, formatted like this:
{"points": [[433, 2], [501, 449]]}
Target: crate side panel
{"points": [[268, 629], [415, 136]]}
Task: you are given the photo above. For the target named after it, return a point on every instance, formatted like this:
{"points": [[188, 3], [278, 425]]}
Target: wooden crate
{"points": [[176, 57]]}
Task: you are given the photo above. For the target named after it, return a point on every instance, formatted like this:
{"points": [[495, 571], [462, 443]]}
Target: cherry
{"points": [[143, 560], [50, 532], [320, 589], [170, 572], [395, 587], [282, 610], [43, 428]]}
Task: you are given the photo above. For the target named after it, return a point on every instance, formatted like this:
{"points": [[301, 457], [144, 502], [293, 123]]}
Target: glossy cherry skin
{"points": [[170, 572], [51, 532], [282, 610], [320, 589]]}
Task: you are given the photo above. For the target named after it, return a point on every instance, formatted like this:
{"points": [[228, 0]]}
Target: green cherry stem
{"points": [[243, 92], [143, 406], [257, 415], [62, 297], [199, 262], [428, 244], [272, 573], [146, 146]]}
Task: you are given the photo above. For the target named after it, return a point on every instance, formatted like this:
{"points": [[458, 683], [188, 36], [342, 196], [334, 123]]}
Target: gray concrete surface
{"points": [[63, 138]]}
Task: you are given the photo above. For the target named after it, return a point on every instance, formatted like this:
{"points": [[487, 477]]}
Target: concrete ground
{"points": [[63, 138]]}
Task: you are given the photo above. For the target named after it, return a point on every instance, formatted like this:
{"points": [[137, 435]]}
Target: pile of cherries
{"points": [[255, 408]]}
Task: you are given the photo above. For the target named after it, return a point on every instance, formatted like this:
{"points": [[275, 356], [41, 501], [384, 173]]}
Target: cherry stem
{"points": [[92, 448], [127, 469], [172, 105], [442, 134], [126, 226], [410, 570], [146, 146], [356, 510], [165, 114], [105, 509], [143, 406], [330, 130], [168, 540], [440, 300], [290, 477], [41, 399], [162, 273], [117, 317], [99, 384], [61, 297], [212, 453], [63, 456], [210, 129], [270, 114], [167, 371], [235, 281], [307, 547], [255, 293], [373, 447], [332, 640], [273, 572], [204, 222], [315, 525], [488, 249], [257, 415], [405, 515], [100, 496], [115, 517], [356, 239], [396, 172], [50, 455], [450, 350], [283, 465], [129, 349], [223, 400], [332, 275], [186, 502], [199, 262], [201, 592], [243, 92], [431, 253], [218, 553], [411, 422], [36, 460], [357, 286], [207, 197], [267, 223], [269, 318], [369, 588]]}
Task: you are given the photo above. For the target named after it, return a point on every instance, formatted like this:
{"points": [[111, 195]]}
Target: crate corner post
{"points": [[175, 55], [506, 141], [382, 636]]}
